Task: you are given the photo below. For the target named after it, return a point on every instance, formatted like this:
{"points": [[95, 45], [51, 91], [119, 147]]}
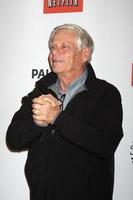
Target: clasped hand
{"points": [[45, 109]]}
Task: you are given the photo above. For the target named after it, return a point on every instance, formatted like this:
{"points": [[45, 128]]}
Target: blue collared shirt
{"points": [[75, 87]]}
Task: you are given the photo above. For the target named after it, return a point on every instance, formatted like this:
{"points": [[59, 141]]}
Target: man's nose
{"points": [[57, 50]]}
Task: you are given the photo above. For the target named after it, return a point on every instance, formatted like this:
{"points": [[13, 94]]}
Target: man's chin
{"points": [[57, 69]]}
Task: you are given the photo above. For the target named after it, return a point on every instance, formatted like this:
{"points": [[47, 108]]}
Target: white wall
{"points": [[24, 31]]}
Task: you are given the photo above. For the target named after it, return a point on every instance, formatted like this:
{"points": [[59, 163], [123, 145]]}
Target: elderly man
{"points": [[71, 124]]}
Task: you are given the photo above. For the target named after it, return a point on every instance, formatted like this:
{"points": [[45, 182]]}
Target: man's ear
{"points": [[86, 54]]}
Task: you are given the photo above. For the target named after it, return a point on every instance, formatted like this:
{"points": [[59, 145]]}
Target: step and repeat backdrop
{"points": [[25, 27]]}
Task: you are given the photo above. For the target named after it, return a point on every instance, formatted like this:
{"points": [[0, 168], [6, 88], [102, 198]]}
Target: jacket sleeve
{"points": [[101, 133], [22, 131]]}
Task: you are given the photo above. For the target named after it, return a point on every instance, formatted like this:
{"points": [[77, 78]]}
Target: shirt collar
{"points": [[76, 83]]}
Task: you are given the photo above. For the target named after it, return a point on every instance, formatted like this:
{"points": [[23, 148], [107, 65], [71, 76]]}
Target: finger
{"points": [[36, 106], [60, 103], [36, 112], [38, 117], [50, 101], [38, 100]]}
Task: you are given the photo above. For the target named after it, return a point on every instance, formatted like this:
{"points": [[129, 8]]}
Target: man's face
{"points": [[64, 56]]}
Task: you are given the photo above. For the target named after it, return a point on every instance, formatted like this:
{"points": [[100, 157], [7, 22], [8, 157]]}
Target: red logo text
{"points": [[60, 6]]}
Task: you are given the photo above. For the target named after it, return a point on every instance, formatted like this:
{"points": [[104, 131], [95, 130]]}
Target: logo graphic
{"points": [[39, 73], [61, 6], [132, 76], [131, 152]]}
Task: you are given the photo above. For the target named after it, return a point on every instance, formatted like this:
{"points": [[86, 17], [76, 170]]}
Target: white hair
{"points": [[83, 37]]}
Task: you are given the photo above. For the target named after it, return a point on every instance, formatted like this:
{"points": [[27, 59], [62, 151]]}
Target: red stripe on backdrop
{"points": [[132, 76]]}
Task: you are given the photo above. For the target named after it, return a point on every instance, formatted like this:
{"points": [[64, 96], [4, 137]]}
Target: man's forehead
{"points": [[64, 35], [65, 32]]}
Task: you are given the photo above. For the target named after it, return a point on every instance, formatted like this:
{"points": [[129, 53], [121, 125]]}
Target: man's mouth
{"points": [[57, 61]]}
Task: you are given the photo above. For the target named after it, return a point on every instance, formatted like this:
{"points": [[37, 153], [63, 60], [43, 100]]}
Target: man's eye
{"points": [[52, 47], [65, 47]]}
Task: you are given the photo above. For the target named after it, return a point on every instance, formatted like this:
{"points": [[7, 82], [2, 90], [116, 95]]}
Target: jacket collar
{"points": [[91, 81], [49, 79]]}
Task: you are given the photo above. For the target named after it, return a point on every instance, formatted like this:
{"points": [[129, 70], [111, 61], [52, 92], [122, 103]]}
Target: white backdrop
{"points": [[24, 32]]}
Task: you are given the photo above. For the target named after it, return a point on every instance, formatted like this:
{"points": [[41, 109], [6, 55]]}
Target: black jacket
{"points": [[73, 159]]}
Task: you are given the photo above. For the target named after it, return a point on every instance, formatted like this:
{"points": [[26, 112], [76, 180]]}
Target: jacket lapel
{"points": [[91, 81]]}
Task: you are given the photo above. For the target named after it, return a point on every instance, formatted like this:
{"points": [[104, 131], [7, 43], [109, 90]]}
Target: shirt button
{"points": [[52, 132]]}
